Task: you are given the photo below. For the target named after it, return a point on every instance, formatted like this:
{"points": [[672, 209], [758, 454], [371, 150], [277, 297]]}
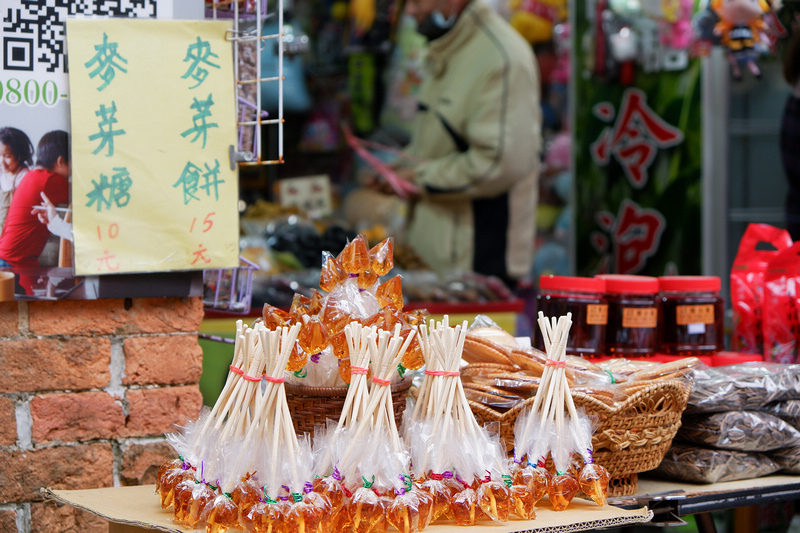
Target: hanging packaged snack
{"points": [[780, 306], [758, 246]]}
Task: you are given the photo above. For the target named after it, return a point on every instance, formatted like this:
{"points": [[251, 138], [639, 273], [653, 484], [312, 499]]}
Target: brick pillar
{"points": [[87, 391]]}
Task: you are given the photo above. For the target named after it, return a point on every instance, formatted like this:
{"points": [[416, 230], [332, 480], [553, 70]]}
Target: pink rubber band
{"points": [[251, 378], [379, 381], [442, 373], [552, 362], [237, 370], [275, 380], [357, 370]]}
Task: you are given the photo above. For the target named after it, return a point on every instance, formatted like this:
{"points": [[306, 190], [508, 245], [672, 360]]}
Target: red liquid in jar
{"points": [[583, 297], [632, 328], [692, 315]]}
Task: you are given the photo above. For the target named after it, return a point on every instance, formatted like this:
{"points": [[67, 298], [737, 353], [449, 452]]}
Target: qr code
{"points": [[33, 31]]}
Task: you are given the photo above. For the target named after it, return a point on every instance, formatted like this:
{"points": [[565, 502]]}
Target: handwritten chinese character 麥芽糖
{"points": [[198, 54], [200, 126], [105, 62], [106, 126], [107, 192]]}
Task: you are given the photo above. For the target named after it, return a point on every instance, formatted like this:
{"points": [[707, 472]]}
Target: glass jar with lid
{"points": [[584, 298], [692, 315], [632, 328]]}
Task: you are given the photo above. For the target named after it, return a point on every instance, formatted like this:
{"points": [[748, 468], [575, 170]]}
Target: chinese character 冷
{"points": [[198, 53], [199, 120], [105, 61], [106, 193], [106, 136], [635, 137]]}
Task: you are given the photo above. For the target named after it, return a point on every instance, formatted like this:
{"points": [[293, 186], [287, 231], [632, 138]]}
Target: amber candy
{"points": [[355, 256], [413, 358], [172, 464], [221, 514], [274, 317], [440, 495], [382, 257], [339, 346], [314, 337], [593, 479], [170, 481], [299, 307], [245, 495], [405, 514], [321, 502], [465, 507], [315, 303], [269, 517], [495, 500], [334, 316], [344, 370], [416, 317], [536, 478], [524, 506], [297, 359], [390, 292], [367, 279], [332, 490], [303, 517], [190, 502], [563, 489], [364, 509], [331, 274]]}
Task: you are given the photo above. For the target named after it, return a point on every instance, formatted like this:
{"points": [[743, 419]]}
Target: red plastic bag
{"points": [[779, 308], [747, 284]]}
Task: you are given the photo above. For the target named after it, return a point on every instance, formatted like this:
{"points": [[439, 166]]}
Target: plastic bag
{"points": [[787, 410], [746, 431], [748, 386], [747, 284], [788, 459], [703, 465], [779, 309]]}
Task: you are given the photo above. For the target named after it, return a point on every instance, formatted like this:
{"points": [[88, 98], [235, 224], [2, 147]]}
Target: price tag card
{"points": [[153, 119], [310, 193]]}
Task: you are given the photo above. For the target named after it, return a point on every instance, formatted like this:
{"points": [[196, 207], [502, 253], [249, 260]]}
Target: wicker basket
{"points": [[311, 406], [632, 436]]}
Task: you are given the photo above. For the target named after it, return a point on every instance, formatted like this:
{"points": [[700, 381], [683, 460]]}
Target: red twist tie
{"points": [[437, 477], [553, 362], [236, 370], [251, 378], [359, 370], [274, 380], [379, 381], [454, 374]]}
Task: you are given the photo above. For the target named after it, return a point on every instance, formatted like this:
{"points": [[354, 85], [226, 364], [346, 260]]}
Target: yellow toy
{"points": [[535, 19]]}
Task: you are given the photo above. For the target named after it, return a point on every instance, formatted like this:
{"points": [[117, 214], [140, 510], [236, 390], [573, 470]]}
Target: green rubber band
{"points": [[613, 381], [301, 373], [507, 480], [401, 369], [297, 497], [368, 484]]}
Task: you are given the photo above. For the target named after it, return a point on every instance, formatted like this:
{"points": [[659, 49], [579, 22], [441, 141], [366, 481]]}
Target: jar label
{"points": [[694, 314], [639, 317], [597, 314]]}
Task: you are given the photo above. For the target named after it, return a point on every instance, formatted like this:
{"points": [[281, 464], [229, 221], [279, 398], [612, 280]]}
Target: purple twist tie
{"points": [[589, 453], [308, 487], [287, 489], [315, 358], [448, 475], [336, 474], [399, 492], [284, 498], [202, 474], [352, 275]]}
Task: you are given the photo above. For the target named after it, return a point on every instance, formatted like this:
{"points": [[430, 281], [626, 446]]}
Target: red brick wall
{"points": [[87, 391]]}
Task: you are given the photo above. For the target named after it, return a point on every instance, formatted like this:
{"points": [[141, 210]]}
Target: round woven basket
{"points": [[312, 406], [632, 436]]}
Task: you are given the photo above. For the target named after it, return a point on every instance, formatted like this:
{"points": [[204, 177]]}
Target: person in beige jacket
{"points": [[477, 137]]}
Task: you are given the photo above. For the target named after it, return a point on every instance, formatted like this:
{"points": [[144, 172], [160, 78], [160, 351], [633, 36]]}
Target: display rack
{"points": [[248, 17]]}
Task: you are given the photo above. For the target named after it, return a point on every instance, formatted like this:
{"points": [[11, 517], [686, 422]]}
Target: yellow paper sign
{"points": [[153, 121]]}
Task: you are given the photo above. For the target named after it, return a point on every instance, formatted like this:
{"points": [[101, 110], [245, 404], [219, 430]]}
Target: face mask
{"points": [[435, 25]]}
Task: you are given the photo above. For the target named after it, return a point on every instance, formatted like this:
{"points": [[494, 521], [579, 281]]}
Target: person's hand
{"points": [[48, 212]]}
